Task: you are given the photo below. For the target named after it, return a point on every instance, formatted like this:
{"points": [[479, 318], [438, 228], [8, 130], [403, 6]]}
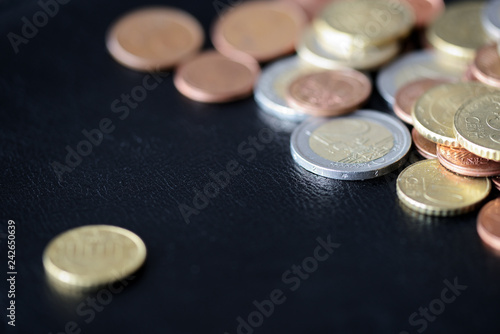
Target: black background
{"points": [[200, 277]]}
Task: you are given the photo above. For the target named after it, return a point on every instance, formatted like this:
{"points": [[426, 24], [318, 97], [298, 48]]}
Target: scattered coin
{"points": [[154, 38], [263, 30], [363, 145], [463, 162], [488, 224], [425, 147], [329, 93], [486, 66], [429, 188], [477, 126], [212, 77], [426, 11], [90, 256]]}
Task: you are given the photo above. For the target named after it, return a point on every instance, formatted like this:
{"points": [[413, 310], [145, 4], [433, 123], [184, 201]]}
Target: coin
{"points": [[477, 126], [486, 66], [91, 256], [311, 7], [434, 112], [488, 224], [426, 11], [212, 77], [425, 147], [263, 30], [463, 162], [429, 188], [154, 38], [270, 89], [491, 19], [363, 23], [409, 94], [411, 67], [496, 182], [459, 41], [468, 75], [369, 58], [363, 145], [329, 93]]}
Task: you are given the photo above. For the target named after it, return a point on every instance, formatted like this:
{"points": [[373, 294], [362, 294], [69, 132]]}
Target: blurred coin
{"points": [[463, 162], [212, 77], [429, 188], [477, 126], [486, 66], [363, 145], [329, 93], [270, 89], [263, 30], [496, 182], [414, 66], [425, 147], [491, 19], [488, 224], [468, 75], [434, 112], [410, 93], [154, 38], [90, 256], [312, 7], [426, 11]]}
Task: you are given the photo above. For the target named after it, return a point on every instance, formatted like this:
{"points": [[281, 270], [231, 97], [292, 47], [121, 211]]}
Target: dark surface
{"points": [[200, 277]]}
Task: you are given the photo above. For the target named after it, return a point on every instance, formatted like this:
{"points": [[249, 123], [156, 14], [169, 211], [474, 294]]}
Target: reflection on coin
{"points": [[411, 67], [263, 30], [329, 93], [370, 58], [270, 89], [363, 145], [477, 126], [212, 77], [426, 11], [154, 38], [488, 224], [429, 188], [491, 19], [434, 112], [463, 162], [486, 66], [425, 147], [91, 256], [409, 94]]}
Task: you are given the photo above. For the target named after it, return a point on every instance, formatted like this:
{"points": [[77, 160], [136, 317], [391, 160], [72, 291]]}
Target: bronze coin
{"points": [[425, 11], [154, 38], [425, 147], [263, 30], [329, 93], [468, 75], [486, 66], [409, 94], [463, 162], [212, 77], [488, 224]]}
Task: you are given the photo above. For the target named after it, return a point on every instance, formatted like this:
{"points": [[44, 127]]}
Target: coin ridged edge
{"points": [[486, 153], [431, 135]]}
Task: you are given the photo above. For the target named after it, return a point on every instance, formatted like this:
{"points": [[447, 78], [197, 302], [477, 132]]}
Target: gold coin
{"points": [[91, 256], [429, 188], [477, 126], [434, 111], [363, 22], [459, 31]]}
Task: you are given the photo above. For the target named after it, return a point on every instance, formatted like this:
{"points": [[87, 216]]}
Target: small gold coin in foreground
{"points": [[91, 256], [429, 188], [477, 126]]}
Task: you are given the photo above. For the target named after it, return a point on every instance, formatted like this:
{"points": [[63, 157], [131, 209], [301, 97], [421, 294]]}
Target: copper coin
{"points": [[468, 75], [154, 38], [409, 94], [425, 147], [463, 162], [212, 77], [486, 66], [425, 11], [264, 30], [488, 224], [311, 7], [496, 182], [329, 93]]}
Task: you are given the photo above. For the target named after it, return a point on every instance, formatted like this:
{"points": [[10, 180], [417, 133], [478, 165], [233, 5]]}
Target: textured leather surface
{"points": [[200, 277]]}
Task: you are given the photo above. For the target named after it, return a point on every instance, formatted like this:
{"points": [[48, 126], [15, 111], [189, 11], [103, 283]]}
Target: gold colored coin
{"points": [[91, 256], [459, 32], [363, 22], [429, 188], [477, 126], [434, 111]]}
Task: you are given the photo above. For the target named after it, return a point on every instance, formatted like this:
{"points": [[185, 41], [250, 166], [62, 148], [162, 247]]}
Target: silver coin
{"points": [[270, 89], [360, 146], [491, 19], [414, 66]]}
